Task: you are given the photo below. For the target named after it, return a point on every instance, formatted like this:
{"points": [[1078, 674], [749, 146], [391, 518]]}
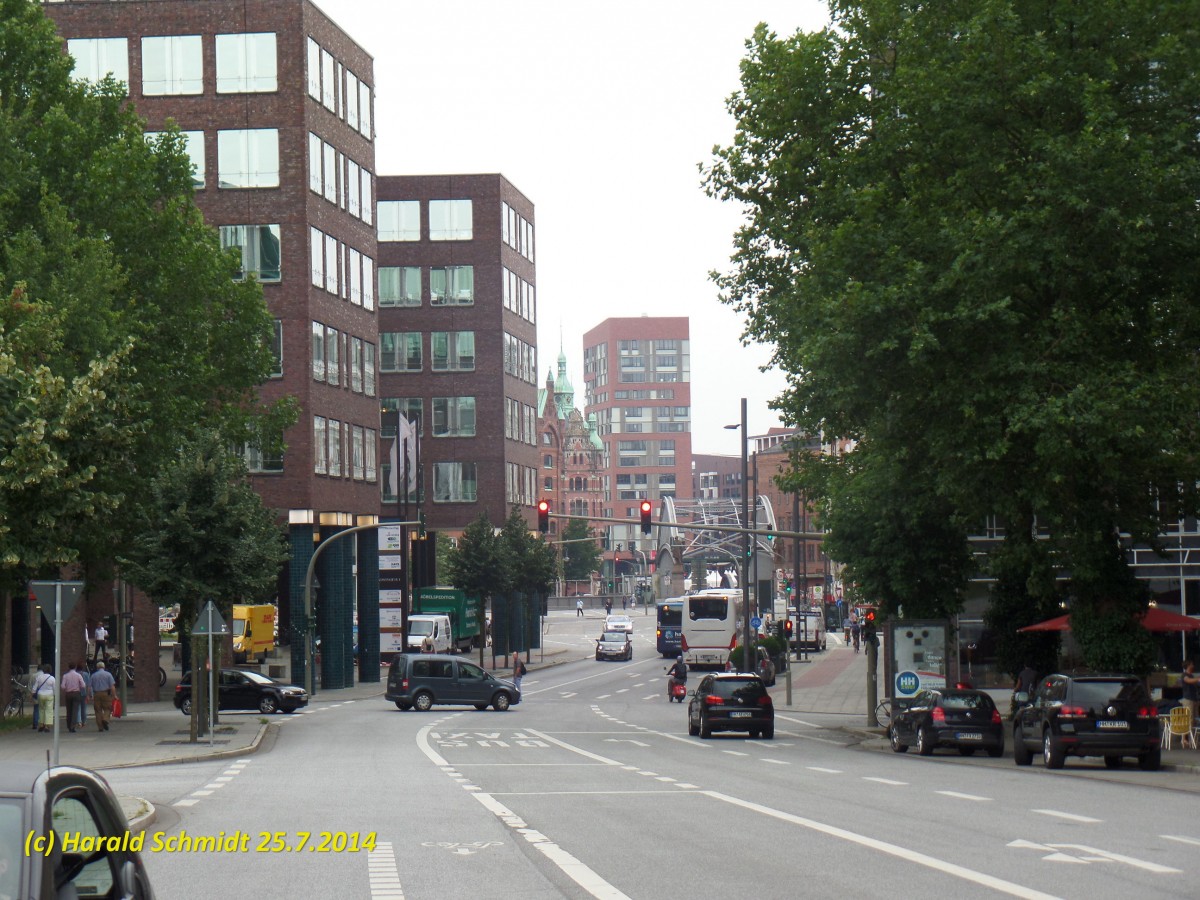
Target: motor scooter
{"points": [[676, 690]]}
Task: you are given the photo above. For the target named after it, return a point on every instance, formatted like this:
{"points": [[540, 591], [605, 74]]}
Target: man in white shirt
{"points": [[101, 651]]}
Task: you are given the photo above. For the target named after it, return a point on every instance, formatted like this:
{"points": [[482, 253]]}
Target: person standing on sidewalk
{"points": [[103, 691], [39, 681], [73, 687], [101, 642], [579, 607], [1191, 686]]}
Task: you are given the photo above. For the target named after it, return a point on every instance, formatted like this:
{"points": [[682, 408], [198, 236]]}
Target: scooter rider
{"points": [[678, 672]]}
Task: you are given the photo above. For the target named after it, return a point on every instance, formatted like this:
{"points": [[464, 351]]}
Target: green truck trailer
{"points": [[462, 610]]}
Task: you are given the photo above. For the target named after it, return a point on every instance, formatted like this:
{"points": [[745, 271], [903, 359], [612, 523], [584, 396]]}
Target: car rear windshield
{"points": [[1099, 693], [613, 636], [966, 701], [746, 688]]}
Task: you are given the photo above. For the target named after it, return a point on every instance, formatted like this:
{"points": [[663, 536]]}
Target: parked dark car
{"points": [[66, 800], [967, 720], [245, 689], [731, 701], [1088, 715], [422, 680]]}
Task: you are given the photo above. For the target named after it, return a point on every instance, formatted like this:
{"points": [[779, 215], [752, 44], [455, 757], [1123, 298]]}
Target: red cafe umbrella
{"points": [[1154, 619]]}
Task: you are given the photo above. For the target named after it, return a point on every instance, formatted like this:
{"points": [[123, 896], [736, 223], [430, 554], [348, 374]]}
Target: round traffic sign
{"points": [[756, 622], [907, 683]]}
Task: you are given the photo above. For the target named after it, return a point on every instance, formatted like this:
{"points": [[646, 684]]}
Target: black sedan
{"points": [[731, 701], [245, 689], [943, 717], [41, 807]]}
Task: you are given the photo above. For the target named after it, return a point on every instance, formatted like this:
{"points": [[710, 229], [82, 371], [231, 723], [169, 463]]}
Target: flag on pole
{"points": [[407, 433], [394, 460]]}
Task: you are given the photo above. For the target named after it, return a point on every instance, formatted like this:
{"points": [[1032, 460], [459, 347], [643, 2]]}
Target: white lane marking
{"points": [[666, 778], [625, 741], [202, 793], [622, 690], [797, 721], [567, 695], [185, 802], [735, 752], [224, 778], [650, 696], [826, 771], [604, 696], [383, 878], [581, 874], [921, 859], [1181, 839], [884, 780], [685, 784], [1066, 815], [777, 762], [960, 796], [213, 787], [1090, 854]]}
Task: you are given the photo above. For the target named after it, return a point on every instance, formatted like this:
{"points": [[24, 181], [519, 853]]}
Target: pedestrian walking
{"points": [[86, 698], [519, 670], [103, 692], [73, 687], [40, 682], [579, 607], [101, 640], [45, 698], [622, 604]]}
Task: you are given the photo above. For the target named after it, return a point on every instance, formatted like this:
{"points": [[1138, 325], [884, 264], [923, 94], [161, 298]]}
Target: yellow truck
{"points": [[253, 632]]}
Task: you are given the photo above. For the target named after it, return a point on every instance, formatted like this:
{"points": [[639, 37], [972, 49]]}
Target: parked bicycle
{"points": [[16, 703], [883, 712]]}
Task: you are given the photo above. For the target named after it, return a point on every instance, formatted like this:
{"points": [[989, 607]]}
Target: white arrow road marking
{"points": [[1090, 854]]}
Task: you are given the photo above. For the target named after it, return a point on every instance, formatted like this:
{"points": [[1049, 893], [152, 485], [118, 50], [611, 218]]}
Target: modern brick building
{"points": [[458, 341], [276, 104], [637, 374]]}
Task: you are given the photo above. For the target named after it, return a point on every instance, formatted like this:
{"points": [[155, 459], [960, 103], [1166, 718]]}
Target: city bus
{"points": [[670, 623], [712, 622]]}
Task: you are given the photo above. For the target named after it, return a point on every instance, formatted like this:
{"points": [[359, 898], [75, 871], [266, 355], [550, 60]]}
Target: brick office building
{"points": [[458, 341], [637, 374], [276, 104]]}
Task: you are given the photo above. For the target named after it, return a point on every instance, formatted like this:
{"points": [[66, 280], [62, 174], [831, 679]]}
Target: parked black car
{"points": [[36, 802], [731, 701], [1088, 715], [245, 689], [942, 717]]}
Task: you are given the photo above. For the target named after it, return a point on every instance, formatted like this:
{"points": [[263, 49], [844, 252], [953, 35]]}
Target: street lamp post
{"points": [[747, 665]]}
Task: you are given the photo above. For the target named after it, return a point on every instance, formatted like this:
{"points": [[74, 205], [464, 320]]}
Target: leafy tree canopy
{"points": [[580, 550], [975, 223]]}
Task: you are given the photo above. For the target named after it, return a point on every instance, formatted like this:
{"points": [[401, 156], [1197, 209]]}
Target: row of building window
{"points": [[449, 351], [520, 359], [339, 359], [173, 65], [664, 394], [448, 285], [642, 377], [520, 296], [520, 421], [330, 439], [338, 89], [520, 484], [451, 416], [339, 179], [341, 270], [657, 345], [449, 220], [516, 231]]}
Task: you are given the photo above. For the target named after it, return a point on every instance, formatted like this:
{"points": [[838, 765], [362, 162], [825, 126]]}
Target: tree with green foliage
{"points": [[475, 566], [207, 536], [581, 550], [105, 259], [970, 230]]}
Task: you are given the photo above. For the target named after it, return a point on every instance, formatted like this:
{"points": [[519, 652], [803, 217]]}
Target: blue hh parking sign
{"points": [[907, 684]]}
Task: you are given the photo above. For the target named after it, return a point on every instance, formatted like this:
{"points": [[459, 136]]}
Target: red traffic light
{"points": [[787, 627], [543, 516], [645, 508]]}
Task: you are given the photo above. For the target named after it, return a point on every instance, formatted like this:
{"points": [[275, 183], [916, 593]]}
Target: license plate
{"points": [[739, 715], [968, 736], [1111, 723]]}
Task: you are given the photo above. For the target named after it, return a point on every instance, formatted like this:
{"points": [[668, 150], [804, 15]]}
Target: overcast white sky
{"points": [[599, 114]]}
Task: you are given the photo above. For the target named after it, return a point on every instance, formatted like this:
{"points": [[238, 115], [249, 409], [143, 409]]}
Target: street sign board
{"points": [[756, 622], [44, 592], [209, 614]]}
